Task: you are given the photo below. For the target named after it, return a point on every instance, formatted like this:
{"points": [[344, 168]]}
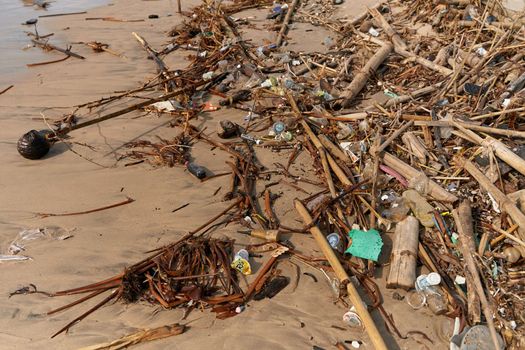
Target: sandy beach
{"points": [[103, 243]]}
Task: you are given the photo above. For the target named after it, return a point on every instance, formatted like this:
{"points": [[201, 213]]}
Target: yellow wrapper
{"points": [[242, 265]]}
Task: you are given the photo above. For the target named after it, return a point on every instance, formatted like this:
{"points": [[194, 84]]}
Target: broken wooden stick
{"points": [[162, 68], [141, 336], [503, 201], [411, 174], [361, 77], [127, 201], [390, 32], [463, 218], [355, 299], [499, 148], [46, 45]]}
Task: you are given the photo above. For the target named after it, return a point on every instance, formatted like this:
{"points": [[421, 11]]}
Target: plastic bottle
{"points": [[429, 286], [196, 170]]}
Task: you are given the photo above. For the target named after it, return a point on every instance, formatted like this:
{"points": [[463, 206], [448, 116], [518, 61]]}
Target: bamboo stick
{"points": [[500, 149], [504, 202], [286, 22], [434, 190], [334, 150], [463, 218], [420, 60], [390, 32], [355, 299], [361, 78]]}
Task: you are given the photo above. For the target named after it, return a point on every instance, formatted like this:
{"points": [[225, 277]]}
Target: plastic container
{"points": [[425, 281], [428, 286]]}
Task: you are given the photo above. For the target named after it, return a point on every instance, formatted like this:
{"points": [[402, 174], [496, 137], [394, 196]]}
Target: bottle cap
{"points": [[333, 239], [433, 278], [279, 127]]}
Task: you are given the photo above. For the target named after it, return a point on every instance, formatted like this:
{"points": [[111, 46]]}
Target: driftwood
{"points": [[499, 148], [412, 56], [433, 189], [403, 260], [370, 327], [503, 201], [390, 32], [361, 77], [463, 218], [46, 45]]}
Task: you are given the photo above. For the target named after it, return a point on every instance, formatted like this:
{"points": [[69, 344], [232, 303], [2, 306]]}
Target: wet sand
{"points": [[103, 243]]}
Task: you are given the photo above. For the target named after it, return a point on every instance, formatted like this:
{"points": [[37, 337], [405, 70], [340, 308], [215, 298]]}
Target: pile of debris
{"points": [[413, 121]]}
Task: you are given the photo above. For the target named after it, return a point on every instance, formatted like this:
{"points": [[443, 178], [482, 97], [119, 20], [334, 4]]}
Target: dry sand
{"points": [[103, 243]]}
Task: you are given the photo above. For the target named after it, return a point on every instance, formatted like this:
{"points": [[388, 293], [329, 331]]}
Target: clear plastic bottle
{"points": [[428, 285]]}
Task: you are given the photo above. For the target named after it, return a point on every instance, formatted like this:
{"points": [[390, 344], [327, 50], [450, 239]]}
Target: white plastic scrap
{"points": [[14, 258], [372, 31], [460, 279], [495, 204], [163, 106], [481, 51]]}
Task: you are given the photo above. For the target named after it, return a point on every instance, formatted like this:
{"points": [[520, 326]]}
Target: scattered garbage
{"points": [[407, 123]]}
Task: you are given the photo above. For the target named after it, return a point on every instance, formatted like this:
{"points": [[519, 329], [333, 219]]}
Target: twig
{"points": [[127, 201]]}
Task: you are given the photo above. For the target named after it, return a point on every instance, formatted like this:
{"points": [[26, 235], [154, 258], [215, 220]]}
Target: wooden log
{"points": [[333, 164], [416, 146], [434, 190], [334, 150], [463, 218], [355, 298], [361, 78], [403, 260], [503, 201]]}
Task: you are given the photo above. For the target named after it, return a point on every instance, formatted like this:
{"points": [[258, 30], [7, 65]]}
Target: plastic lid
{"points": [[433, 278]]}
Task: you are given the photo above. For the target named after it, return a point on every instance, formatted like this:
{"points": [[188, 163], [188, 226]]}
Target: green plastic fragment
{"points": [[365, 244]]}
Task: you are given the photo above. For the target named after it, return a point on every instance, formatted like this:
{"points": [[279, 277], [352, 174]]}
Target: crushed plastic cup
{"points": [[241, 262], [352, 319]]}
